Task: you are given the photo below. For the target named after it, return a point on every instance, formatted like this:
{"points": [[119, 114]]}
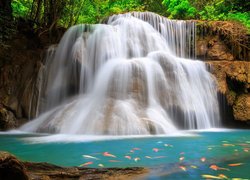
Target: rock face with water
{"points": [[130, 60], [129, 76]]}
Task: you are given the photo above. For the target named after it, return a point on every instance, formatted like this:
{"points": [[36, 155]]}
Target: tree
{"points": [[6, 20]]}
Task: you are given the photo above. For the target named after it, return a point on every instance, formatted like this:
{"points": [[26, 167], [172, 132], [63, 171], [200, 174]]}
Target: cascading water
{"points": [[126, 77]]}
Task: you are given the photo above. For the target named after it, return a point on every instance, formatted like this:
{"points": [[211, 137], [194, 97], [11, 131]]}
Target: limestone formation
{"points": [[241, 108], [7, 119], [233, 80]]}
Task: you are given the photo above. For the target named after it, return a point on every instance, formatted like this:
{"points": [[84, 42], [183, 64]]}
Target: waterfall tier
{"points": [[126, 77]]}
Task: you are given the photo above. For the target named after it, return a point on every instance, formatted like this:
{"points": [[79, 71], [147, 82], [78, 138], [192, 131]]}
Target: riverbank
{"points": [[12, 168]]}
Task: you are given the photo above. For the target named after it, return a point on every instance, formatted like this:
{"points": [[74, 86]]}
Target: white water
{"points": [[125, 78]]}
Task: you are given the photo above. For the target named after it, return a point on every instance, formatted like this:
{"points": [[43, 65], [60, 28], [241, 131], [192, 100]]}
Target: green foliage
{"points": [[180, 9], [244, 18], [70, 12], [237, 10], [215, 10], [21, 8]]}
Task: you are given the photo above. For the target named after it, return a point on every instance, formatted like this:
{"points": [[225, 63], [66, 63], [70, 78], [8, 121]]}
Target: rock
{"points": [[7, 119], [241, 108], [11, 168], [229, 73], [211, 47], [233, 81]]}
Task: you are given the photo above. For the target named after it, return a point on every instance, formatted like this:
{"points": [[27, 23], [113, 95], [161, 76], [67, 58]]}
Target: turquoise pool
{"points": [[192, 155]]}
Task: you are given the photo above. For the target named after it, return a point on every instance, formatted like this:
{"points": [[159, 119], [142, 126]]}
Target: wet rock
{"points": [[241, 108], [7, 119], [11, 168]]}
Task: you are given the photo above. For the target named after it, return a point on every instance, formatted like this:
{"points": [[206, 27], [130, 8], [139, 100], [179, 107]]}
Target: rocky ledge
{"points": [[12, 168], [233, 80]]}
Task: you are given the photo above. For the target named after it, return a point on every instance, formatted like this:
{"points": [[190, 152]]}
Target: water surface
{"points": [[186, 156]]}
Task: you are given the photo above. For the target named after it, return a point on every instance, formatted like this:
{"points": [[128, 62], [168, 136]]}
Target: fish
{"points": [[108, 155], [148, 157], [208, 176], [128, 157], [136, 149], [181, 158], [215, 167], [159, 157], [155, 149], [246, 149], [223, 176], [226, 145], [235, 164], [137, 159], [183, 168], [194, 167], [100, 165], [90, 157], [203, 159], [86, 164], [114, 161], [182, 153], [168, 145]]}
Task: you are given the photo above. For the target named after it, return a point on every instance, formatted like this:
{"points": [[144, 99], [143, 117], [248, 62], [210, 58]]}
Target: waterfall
{"points": [[126, 77]]}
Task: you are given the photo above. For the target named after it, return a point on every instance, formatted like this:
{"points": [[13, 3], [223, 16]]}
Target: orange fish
{"points": [[223, 176], [236, 164], [86, 164], [128, 157], [203, 159], [155, 149], [183, 168], [108, 154], [215, 167], [246, 149], [136, 149]]}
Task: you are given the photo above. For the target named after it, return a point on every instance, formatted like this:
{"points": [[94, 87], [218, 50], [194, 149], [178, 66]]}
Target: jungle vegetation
{"points": [[65, 13]]}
